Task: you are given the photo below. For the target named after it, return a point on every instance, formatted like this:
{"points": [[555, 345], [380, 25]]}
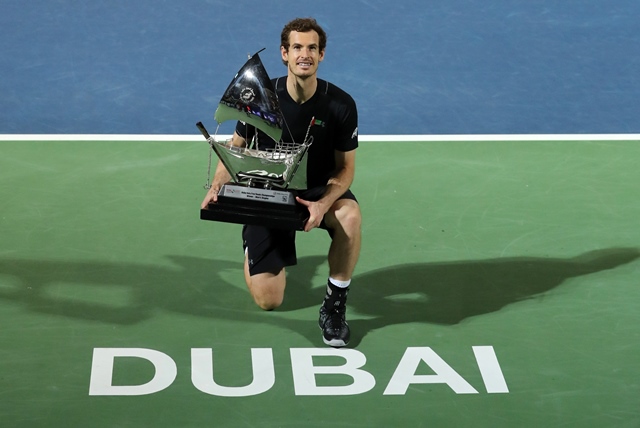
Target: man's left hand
{"points": [[316, 213]]}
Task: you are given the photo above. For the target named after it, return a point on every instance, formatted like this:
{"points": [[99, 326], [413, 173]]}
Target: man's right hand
{"points": [[212, 196]]}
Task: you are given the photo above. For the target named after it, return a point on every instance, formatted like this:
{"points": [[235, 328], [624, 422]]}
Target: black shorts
{"points": [[270, 250]]}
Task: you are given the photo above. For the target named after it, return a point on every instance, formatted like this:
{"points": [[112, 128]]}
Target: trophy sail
{"points": [[251, 98]]}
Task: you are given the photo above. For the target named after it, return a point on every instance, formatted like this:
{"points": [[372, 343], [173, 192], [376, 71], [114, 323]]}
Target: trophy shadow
{"points": [[449, 293], [124, 293]]}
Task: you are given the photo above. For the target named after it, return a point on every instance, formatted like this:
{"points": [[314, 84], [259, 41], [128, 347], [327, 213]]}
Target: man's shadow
{"points": [[448, 293], [440, 293]]}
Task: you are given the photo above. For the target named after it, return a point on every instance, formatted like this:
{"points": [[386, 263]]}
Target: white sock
{"points": [[338, 283]]}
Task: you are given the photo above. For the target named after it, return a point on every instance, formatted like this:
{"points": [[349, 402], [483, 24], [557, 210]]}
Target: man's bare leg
{"points": [[345, 220], [267, 289]]}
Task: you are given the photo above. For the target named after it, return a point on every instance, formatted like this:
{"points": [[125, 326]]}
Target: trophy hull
{"points": [[275, 209]]}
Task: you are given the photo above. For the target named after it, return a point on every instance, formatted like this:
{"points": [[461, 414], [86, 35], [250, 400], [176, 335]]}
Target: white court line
{"points": [[372, 138]]}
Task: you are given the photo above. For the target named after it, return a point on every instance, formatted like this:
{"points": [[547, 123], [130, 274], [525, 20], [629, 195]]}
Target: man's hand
{"points": [[212, 196], [317, 210]]}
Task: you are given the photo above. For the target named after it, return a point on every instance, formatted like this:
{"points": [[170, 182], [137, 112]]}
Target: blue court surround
{"points": [[414, 67]]}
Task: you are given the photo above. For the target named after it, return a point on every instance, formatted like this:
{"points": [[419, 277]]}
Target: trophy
{"points": [[265, 177]]}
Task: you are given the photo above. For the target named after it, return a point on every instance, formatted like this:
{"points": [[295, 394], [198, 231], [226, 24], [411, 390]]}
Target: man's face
{"points": [[303, 56]]}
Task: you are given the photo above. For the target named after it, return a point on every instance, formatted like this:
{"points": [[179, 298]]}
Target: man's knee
{"points": [[267, 289], [267, 303], [345, 215]]}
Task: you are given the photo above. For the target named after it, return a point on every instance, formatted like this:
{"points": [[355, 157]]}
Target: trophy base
{"points": [[275, 209]]}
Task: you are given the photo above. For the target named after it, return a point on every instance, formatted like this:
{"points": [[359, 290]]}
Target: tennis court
{"points": [[497, 286]]}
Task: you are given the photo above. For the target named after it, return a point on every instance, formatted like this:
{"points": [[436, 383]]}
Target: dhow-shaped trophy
{"points": [[265, 176]]}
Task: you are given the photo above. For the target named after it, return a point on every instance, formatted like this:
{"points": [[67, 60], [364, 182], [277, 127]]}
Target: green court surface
{"points": [[498, 286]]}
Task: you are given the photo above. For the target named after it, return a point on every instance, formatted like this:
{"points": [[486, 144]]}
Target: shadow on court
{"points": [[440, 293], [448, 293]]}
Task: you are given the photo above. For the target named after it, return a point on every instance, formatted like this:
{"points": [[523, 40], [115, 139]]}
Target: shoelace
{"points": [[335, 318]]}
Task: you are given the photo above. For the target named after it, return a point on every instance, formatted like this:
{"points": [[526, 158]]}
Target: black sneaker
{"points": [[335, 330]]}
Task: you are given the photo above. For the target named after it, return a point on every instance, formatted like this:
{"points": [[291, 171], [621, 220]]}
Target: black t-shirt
{"points": [[335, 127]]}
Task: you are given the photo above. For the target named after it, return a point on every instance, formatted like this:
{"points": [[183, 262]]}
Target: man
{"points": [[323, 113]]}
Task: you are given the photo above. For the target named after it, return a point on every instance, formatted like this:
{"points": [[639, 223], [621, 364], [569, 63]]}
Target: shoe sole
{"points": [[336, 343]]}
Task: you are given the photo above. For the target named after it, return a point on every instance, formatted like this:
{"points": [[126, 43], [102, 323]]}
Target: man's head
{"points": [[303, 25], [302, 44]]}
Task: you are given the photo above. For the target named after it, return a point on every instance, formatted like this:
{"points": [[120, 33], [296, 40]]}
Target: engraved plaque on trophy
{"points": [[265, 176]]}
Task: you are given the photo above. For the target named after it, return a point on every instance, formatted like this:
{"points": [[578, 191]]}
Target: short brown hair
{"points": [[303, 25]]}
